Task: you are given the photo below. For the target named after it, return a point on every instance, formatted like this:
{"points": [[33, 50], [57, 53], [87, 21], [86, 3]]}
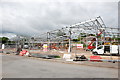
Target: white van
{"points": [[112, 49], [26, 46]]}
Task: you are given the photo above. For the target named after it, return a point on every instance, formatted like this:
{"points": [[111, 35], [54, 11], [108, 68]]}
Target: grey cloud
{"points": [[35, 18]]}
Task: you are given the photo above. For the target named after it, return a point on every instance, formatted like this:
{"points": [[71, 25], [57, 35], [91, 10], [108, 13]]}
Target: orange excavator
{"points": [[92, 41]]}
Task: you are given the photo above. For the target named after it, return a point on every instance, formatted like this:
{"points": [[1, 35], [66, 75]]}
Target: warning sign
{"points": [[45, 46], [79, 45]]}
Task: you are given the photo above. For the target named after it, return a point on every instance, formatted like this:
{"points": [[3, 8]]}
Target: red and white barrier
{"points": [[23, 52]]}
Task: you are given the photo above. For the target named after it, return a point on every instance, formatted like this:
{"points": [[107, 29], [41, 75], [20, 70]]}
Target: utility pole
{"points": [[69, 49]]}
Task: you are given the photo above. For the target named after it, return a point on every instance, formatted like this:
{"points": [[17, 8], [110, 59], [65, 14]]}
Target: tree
{"points": [[75, 40], [91, 34], [4, 40]]}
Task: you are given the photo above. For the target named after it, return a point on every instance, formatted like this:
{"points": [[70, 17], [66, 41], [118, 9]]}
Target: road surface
{"points": [[21, 67]]}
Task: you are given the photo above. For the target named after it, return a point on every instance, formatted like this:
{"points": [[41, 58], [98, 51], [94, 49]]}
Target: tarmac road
{"points": [[21, 67]]}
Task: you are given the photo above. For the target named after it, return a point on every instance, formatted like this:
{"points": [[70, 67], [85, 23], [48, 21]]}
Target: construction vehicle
{"points": [[90, 47], [103, 49]]}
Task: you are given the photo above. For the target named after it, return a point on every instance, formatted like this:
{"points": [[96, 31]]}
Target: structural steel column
{"points": [[48, 39], [69, 49]]}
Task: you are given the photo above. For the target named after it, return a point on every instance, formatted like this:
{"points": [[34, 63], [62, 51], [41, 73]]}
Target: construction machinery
{"points": [[90, 47]]}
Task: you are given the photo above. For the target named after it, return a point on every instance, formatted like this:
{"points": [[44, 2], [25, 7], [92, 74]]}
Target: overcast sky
{"points": [[30, 17]]}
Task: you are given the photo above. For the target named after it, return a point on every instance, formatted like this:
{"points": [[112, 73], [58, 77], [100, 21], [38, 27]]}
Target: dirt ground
{"points": [[74, 52]]}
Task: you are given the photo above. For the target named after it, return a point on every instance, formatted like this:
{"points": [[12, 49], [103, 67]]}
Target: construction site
{"points": [[52, 39], [88, 43], [88, 38]]}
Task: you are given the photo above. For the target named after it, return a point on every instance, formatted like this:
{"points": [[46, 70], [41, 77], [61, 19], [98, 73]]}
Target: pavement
{"points": [[86, 63], [29, 67], [87, 54]]}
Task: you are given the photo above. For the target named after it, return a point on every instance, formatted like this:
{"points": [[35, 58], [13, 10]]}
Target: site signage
{"points": [[45, 46], [79, 45]]}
